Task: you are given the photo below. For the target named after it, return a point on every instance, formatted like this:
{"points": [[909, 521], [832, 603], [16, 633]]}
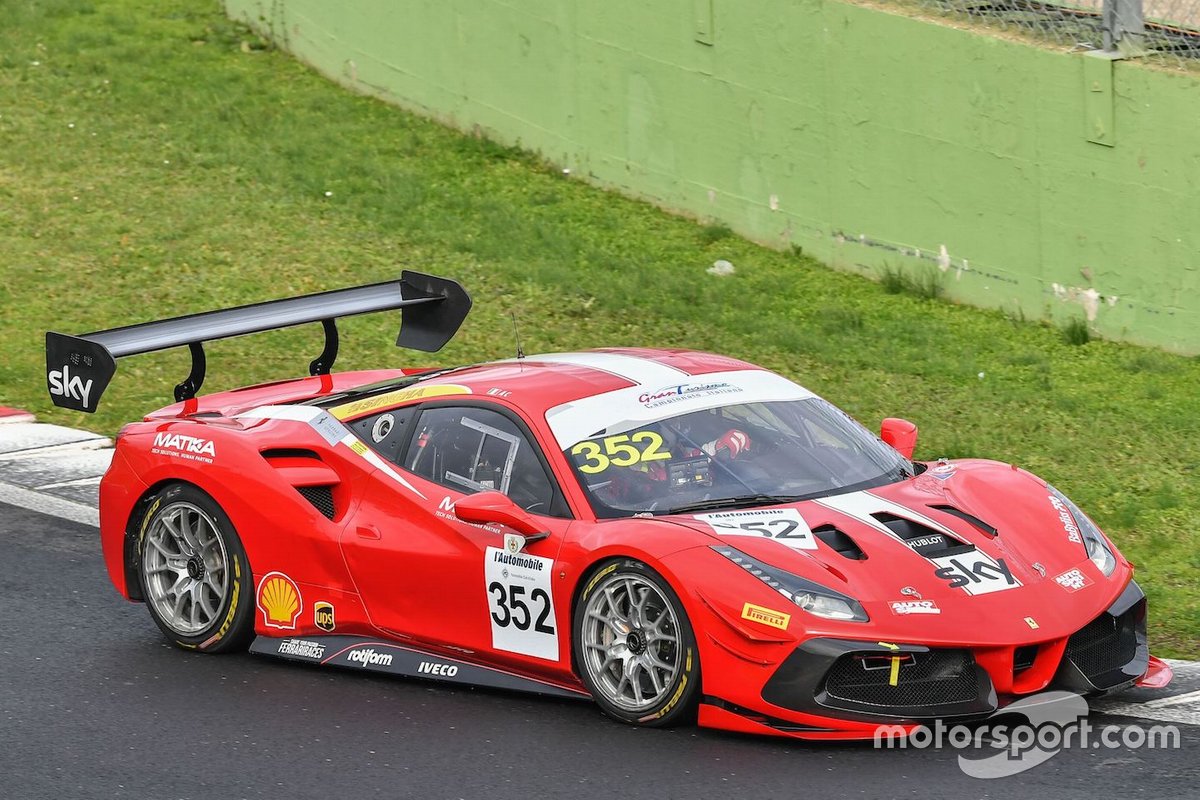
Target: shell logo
{"points": [[279, 600]]}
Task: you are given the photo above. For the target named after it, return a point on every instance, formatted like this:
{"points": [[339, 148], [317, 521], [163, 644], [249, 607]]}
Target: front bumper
{"points": [[858, 685]]}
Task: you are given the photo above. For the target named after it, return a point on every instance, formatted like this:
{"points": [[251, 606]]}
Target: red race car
{"points": [[674, 534]]}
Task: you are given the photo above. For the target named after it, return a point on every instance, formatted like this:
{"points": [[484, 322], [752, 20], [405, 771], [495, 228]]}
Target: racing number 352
{"points": [[515, 612], [620, 451]]}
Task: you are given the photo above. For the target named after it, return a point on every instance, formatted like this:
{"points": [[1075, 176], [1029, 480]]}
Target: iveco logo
{"points": [[433, 668], [64, 385]]}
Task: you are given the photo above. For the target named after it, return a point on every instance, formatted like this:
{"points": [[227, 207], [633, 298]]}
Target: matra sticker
{"points": [[521, 603], [445, 510], [902, 608], [975, 573], [784, 525], [1073, 580], [186, 447], [279, 600]]}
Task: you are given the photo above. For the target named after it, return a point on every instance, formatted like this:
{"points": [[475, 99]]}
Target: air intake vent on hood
{"points": [[971, 518], [839, 541], [925, 540]]}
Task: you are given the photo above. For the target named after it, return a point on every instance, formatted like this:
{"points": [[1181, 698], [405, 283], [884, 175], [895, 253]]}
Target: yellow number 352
{"points": [[619, 451]]}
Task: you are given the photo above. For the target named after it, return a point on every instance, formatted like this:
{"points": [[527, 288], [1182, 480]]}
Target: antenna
{"points": [[517, 335]]}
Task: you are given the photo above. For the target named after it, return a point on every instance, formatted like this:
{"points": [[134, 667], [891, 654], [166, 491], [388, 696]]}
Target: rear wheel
{"points": [[634, 647], [195, 578]]}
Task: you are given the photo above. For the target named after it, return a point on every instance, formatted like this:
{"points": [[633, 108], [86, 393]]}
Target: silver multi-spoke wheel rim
{"points": [[185, 568], [630, 642]]}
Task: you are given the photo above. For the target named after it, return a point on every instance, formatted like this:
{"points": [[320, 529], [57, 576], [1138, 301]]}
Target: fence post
{"points": [[1124, 27]]}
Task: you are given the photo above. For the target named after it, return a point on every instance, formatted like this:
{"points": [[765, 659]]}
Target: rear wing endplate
{"points": [[79, 368]]}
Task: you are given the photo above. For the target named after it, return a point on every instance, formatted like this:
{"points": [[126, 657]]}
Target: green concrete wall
{"points": [[871, 139]]}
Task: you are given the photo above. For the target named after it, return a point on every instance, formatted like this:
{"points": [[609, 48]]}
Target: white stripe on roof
{"points": [[642, 371]]}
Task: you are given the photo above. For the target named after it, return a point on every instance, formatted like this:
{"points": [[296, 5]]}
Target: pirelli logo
{"points": [[776, 619]]}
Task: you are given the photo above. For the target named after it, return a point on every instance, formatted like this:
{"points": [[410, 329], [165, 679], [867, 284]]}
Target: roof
{"points": [[538, 383], [535, 383]]}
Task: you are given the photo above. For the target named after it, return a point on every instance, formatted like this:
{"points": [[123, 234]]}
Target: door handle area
{"points": [[368, 532]]}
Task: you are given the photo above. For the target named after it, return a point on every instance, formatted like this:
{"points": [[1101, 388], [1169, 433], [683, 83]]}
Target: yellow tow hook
{"points": [[894, 678]]}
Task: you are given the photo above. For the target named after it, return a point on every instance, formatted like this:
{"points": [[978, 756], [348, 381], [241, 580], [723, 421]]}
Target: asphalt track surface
{"points": [[94, 704]]}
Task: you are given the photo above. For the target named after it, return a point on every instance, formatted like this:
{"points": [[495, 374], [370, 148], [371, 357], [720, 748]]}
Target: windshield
{"points": [[744, 454]]}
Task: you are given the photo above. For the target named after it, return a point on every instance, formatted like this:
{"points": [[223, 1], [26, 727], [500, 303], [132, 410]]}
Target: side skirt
{"points": [[360, 652]]}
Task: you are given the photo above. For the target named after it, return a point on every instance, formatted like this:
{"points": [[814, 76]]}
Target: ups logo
{"points": [[323, 616]]}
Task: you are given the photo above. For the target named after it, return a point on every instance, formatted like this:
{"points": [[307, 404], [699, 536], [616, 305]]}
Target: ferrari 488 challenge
{"points": [[674, 534]]}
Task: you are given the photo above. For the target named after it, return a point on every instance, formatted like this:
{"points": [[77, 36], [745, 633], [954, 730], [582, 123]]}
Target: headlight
{"points": [[1093, 540], [812, 597]]}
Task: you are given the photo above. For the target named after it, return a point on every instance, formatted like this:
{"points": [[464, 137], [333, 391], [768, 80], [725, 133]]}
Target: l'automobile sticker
{"points": [[521, 603], [784, 525]]}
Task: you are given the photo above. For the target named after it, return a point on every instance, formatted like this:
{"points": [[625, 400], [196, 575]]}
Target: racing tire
{"points": [[194, 574], [634, 647]]}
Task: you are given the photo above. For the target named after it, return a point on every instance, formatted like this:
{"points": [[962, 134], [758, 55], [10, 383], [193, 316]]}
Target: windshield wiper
{"points": [[741, 501]]}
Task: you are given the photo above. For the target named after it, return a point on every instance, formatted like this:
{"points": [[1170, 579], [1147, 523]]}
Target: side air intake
{"points": [[321, 497], [305, 472]]}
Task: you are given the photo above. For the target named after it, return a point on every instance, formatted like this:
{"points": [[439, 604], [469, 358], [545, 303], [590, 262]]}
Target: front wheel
{"points": [[195, 578], [634, 647]]}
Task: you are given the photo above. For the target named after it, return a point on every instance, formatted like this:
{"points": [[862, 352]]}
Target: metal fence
{"points": [[1167, 31]]}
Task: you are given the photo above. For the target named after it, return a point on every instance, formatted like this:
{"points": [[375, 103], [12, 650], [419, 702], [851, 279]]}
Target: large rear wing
{"points": [[79, 368]]}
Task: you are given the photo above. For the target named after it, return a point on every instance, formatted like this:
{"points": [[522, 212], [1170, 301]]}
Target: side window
{"points": [[386, 433], [474, 449]]}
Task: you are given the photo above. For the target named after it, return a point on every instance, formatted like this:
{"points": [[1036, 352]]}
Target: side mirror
{"points": [[900, 434], [492, 506]]}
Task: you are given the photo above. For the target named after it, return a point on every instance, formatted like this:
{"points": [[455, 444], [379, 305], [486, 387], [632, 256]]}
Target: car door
{"points": [[423, 573]]}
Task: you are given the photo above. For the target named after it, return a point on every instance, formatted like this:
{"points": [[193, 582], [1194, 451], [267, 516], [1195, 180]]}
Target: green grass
{"points": [[156, 159], [1075, 332], [926, 283], [715, 232]]}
